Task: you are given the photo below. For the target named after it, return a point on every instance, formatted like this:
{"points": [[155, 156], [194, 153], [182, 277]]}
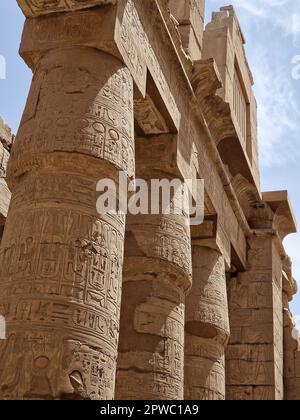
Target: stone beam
{"points": [[36, 8], [254, 359], [209, 234]]}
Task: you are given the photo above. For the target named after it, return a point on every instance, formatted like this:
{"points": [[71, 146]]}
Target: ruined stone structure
{"points": [[147, 306]]}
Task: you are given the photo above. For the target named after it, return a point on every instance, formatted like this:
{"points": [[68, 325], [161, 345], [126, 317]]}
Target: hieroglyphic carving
{"points": [[204, 369], [255, 356], [157, 272], [170, 242], [98, 121], [61, 262], [69, 30], [153, 369], [66, 270], [61, 271]]}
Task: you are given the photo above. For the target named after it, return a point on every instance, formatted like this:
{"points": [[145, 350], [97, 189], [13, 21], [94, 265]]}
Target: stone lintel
{"points": [[35, 8], [210, 235], [206, 231], [156, 154]]}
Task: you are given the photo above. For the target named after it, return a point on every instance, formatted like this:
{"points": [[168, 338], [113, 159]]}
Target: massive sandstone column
{"points": [[61, 262], [255, 356], [157, 274], [206, 326], [254, 360]]}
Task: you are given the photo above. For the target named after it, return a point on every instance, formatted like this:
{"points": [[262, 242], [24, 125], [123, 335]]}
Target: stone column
{"points": [[157, 275], [61, 262], [206, 327], [254, 360]]}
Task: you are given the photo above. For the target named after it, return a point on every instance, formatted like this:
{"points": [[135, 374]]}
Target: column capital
{"points": [[283, 220], [67, 30], [36, 8], [206, 79]]}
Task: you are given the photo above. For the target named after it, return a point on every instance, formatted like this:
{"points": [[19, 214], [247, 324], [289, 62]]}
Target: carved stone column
{"points": [[206, 326], [157, 274], [61, 262], [255, 356], [254, 360], [291, 338]]}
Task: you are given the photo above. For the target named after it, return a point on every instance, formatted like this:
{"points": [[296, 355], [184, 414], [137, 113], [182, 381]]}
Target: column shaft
{"points": [[157, 273], [207, 327], [254, 360], [61, 262]]}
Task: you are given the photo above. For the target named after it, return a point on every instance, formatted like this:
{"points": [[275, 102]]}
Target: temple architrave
{"points": [[143, 307]]}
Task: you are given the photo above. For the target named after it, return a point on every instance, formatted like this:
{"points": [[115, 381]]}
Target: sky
{"points": [[272, 32]]}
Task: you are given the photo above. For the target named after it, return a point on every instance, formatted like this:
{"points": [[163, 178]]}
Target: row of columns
{"points": [[83, 322], [62, 263]]}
